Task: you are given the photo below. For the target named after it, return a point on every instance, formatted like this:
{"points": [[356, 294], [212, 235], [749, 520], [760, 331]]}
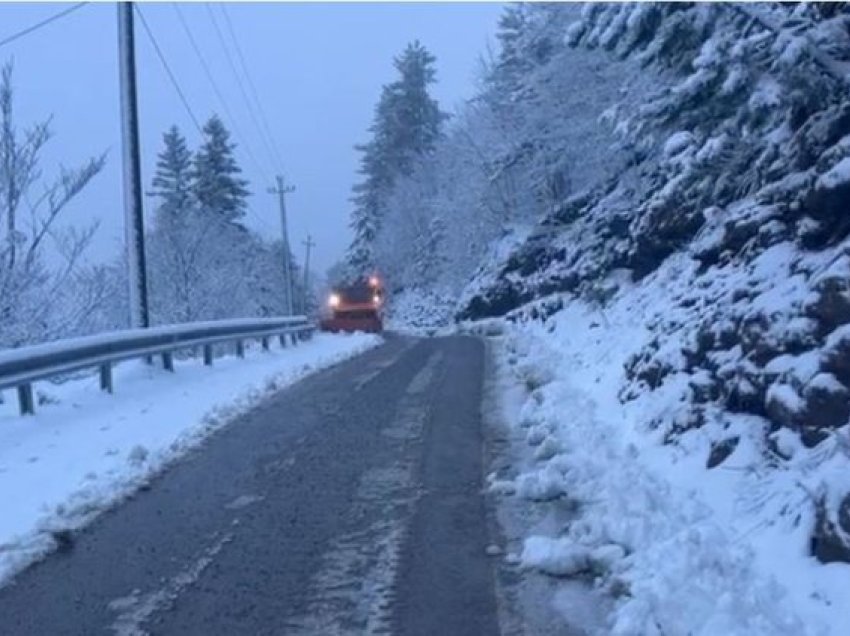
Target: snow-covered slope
{"points": [[686, 517], [683, 326]]}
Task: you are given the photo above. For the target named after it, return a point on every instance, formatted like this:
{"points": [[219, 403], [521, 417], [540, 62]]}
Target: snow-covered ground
{"points": [[684, 550], [419, 311], [85, 450]]}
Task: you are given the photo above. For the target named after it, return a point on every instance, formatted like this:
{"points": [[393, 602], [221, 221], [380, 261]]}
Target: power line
{"points": [[239, 83], [229, 114], [264, 131], [180, 92], [38, 25], [252, 86], [227, 110], [168, 70]]}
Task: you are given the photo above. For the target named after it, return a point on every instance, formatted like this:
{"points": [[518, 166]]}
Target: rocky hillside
{"points": [[736, 171]]}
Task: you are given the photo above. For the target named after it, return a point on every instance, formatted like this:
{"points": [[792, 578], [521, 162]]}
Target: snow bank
{"points": [[686, 551], [420, 310], [85, 450]]}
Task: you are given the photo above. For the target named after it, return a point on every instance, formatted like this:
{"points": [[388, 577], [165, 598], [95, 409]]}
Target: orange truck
{"points": [[355, 307]]}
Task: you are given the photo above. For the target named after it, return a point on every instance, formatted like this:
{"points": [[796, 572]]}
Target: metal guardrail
{"points": [[19, 368]]}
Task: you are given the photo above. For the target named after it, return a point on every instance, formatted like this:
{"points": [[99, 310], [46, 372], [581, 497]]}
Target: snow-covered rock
{"points": [[696, 532]]}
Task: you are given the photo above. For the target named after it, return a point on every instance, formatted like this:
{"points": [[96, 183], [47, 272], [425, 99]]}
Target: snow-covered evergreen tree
{"points": [[177, 243], [217, 185], [412, 118], [203, 263], [173, 181], [511, 64], [528, 140], [406, 126]]}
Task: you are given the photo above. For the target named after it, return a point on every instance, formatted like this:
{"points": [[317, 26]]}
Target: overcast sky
{"points": [[317, 67]]}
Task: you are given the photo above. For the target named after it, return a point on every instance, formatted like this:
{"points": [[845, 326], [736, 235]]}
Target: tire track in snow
{"points": [[136, 608], [353, 592], [379, 367]]}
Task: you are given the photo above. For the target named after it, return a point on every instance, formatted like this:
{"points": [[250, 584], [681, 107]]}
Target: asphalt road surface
{"points": [[350, 503]]}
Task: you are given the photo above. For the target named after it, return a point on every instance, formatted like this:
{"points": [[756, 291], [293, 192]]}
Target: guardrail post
{"points": [[208, 355], [294, 337], [240, 348], [167, 361], [26, 400], [265, 341], [282, 340], [106, 377]]}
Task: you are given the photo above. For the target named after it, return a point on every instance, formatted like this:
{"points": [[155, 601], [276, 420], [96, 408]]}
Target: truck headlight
{"points": [[334, 300]]}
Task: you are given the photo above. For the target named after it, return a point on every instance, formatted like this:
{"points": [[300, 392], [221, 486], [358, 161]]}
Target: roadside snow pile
{"points": [[426, 308], [420, 310], [85, 450], [695, 530]]}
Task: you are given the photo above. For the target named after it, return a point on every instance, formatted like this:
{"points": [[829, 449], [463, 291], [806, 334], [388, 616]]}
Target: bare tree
{"points": [[38, 301]]}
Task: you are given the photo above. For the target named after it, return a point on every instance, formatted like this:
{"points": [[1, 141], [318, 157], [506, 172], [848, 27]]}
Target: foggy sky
{"points": [[318, 69]]}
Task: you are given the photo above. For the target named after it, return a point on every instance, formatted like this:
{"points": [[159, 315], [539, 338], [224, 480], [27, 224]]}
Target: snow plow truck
{"points": [[355, 307]]}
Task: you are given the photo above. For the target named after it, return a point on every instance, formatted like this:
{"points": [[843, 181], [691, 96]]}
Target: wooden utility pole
{"points": [[282, 190], [308, 245], [134, 230]]}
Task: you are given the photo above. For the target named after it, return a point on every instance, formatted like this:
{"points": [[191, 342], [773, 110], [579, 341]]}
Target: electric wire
{"points": [[227, 111], [241, 57], [11, 38], [168, 71], [265, 135], [239, 83], [180, 92], [171, 76]]}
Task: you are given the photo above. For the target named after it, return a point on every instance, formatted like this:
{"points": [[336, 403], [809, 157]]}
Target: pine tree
{"points": [[172, 183], [217, 186], [197, 248], [413, 119], [511, 64], [406, 126]]}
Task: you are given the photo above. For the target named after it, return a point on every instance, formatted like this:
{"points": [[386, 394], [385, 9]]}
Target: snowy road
{"points": [[349, 503]]}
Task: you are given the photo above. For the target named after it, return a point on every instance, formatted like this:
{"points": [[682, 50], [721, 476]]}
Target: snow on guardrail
{"points": [[19, 368]]}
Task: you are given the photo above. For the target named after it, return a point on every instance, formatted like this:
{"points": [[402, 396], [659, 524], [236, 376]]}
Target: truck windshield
{"points": [[357, 294]]}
